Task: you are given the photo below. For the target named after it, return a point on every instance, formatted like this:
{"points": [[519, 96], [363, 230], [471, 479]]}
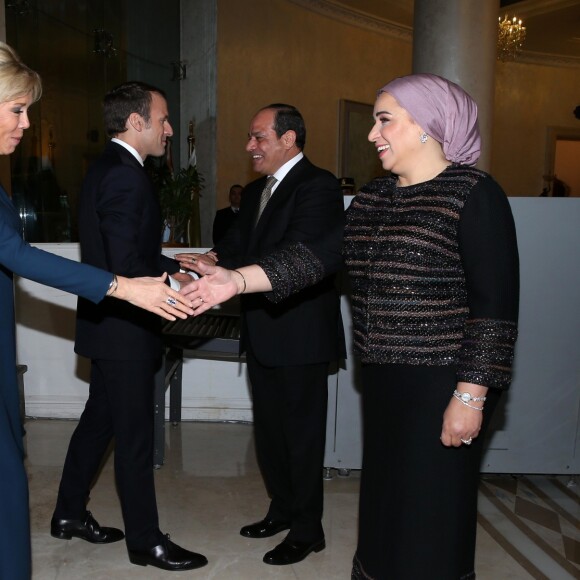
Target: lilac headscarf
{"points": [[443, 110]]}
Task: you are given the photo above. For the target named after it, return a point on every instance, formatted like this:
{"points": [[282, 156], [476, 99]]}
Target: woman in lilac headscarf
{"points": [[432, 256]]}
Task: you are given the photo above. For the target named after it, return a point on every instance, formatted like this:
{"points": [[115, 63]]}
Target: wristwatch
{"points": [[466, 397]]}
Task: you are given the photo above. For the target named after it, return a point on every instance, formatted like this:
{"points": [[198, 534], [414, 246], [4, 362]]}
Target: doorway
{"points": [[562, 175]]}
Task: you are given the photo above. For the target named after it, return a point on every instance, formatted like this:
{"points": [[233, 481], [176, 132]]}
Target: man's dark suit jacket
{"points": [[120, 231], [224, 218], [306, 208]]}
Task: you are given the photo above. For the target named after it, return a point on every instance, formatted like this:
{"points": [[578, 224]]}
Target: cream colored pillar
{"points": [[456, 39]]}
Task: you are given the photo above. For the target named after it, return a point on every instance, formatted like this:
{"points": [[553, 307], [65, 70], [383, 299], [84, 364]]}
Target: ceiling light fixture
{"points": [[511, 36]]}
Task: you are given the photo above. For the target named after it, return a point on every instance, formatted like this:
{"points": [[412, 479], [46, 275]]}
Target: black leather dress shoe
{"points": [[264, 528], [167, 556], [289, 552], [87, 529]]}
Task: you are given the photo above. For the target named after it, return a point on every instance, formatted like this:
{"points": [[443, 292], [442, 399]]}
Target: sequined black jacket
{"points": [[435, 275]]}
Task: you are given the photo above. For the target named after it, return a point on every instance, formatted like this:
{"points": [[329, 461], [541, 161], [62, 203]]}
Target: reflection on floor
{"points": [[210, 486]]}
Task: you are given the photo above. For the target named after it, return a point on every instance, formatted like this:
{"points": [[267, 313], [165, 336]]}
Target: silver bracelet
{"points": [[464, 398]]}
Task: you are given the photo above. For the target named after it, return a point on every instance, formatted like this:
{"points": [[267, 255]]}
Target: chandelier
{"points": [[510, 38]]}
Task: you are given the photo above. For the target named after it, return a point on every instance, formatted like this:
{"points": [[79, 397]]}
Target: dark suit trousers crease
{"points": [[289, 405], [120, 405]]}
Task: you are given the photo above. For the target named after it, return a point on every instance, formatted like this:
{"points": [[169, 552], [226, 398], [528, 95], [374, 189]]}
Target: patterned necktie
{"points": [[266, 194]]}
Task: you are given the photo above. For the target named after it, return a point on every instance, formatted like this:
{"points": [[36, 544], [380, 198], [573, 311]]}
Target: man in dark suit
{"points": [[224, 218], [292, 333], [120, 230]]}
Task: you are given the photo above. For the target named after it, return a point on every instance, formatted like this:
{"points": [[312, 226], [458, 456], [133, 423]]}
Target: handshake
{"points": [[215, 285]]}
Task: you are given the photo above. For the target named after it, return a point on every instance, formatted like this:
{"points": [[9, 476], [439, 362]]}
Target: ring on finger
{"points": [[467, 441], [171, 301]]}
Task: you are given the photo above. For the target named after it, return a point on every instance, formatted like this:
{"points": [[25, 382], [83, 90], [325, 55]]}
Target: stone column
{"points": [[199, 98], [456, 39]]}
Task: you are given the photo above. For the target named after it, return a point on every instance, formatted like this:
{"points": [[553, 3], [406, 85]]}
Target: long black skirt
{"points": [[418, 499]]}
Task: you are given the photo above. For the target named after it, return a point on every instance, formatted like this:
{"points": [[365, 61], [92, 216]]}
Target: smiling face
{"points": [[267, 151], [395, 135], [153, 137], [13, 121]]}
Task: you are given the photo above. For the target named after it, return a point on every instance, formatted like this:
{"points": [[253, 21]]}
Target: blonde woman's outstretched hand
{"points": [[154, 295]]}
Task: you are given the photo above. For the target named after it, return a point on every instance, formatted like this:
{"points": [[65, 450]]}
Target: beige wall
{"points": [[529, 99], [274, 51]]}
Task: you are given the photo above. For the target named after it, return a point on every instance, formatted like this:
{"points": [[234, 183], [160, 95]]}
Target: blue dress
{"points": [[17, 257]]}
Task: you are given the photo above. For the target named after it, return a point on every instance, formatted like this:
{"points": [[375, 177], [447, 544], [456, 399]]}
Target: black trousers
{"points": [[290, 405], [120, 405]]}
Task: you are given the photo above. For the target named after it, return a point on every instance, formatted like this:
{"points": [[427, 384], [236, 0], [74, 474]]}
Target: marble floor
{"points": [[210, 486]]}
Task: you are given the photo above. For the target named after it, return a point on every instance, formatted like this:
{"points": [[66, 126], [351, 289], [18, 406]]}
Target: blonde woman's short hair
{"points": [[16, 79]]}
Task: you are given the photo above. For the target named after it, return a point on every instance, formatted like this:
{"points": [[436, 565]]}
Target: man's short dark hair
{"points": [[288, 118], [236, 186], [120, 102]]}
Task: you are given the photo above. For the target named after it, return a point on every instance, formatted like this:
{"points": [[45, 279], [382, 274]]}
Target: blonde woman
{"points": [[19, 88]]}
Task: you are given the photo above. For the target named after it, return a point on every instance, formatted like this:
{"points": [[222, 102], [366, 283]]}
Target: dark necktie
{"points": [[266, 194]]}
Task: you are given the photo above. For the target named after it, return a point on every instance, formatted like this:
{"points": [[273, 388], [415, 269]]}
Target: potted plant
{"points": [[179, 199]]}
